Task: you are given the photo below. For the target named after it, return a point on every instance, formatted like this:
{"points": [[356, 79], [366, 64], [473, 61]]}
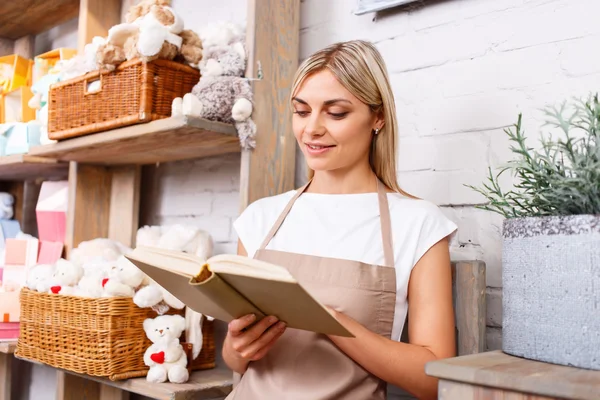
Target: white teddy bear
{"points": [[94, 277], [165, 357], [6, 205], [172, 237], [66, 277], [99, 249], [123, 279], [39, 277]]}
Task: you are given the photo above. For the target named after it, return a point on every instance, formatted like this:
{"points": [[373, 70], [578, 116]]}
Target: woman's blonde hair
{"points": [[359, 67]]}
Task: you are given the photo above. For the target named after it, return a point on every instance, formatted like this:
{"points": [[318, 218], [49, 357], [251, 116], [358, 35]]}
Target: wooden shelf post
{"points": [[273, 35]]}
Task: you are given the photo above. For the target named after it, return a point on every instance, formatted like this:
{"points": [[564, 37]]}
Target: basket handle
{"points": [[92, 85]]}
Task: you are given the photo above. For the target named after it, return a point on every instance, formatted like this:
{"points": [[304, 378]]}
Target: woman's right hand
{"points": [[251, 344]]}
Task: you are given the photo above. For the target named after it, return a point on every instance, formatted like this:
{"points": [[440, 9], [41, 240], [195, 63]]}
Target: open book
{"points": [[228, 286]]}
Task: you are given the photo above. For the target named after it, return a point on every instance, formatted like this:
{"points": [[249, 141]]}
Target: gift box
{"points": [[42, 63], [50, 252], [8, 330], [10, 309], [20, 137], [21, 252], [14, 106], [51, 211], [15, 71]]}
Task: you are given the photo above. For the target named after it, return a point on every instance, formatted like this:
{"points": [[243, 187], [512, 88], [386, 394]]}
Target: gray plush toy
{"points": [[222, 94]]}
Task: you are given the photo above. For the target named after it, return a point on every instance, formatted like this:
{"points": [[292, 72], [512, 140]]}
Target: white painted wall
{"points": [[461, 69]]}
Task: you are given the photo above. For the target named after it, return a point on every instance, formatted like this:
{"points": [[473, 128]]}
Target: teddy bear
{"points": [[172, 237], [7, 201], [39, 277], [222, 94], [123, 279], [94, 277], [165, 357], [65, 278], [100, 249]]}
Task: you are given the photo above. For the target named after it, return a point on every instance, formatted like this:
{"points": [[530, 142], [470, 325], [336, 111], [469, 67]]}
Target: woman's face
{"points": [[333, 128]]}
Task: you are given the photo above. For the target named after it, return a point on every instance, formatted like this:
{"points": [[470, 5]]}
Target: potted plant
{"points": [[551, 239]]}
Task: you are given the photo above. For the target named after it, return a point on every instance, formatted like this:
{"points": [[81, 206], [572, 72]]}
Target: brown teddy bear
{"points": [[152, 30]]}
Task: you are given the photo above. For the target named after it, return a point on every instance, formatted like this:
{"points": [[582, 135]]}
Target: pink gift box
{"points": [[10, 307], [51, 211], [9, 330], [50, 252]]}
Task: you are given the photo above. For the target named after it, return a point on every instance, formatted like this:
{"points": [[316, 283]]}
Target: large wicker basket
{"points": [[99, 337], [133, 93]]}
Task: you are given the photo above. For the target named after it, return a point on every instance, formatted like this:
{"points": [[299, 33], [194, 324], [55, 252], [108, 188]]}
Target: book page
{"points": [[245, 266]]}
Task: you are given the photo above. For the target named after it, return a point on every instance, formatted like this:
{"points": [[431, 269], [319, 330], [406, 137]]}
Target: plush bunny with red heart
{"points": [[165, 357]]}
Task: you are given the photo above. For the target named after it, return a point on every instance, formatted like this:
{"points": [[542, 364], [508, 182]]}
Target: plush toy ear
{"points": [[179, 323], [147, 324]]}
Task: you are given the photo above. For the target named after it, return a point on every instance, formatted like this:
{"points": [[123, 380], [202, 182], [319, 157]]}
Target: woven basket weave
{"points": [[98, 337], [133, 93]]}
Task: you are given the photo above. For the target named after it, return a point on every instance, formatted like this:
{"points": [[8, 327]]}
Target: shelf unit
{"points": [[104, 169]]}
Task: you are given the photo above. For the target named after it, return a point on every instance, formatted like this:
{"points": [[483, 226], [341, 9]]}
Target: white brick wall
{"points": [[462, 70]]}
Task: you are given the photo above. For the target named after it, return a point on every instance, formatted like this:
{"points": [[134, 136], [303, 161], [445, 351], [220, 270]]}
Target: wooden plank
{"points": [[468, 286], [24, 46], [206, 384], [8, 347], [273, 40], [449, 390], [96, 17], [169, 139], [89, 204], [112, 393], [5, 376], [124, 204], [30, 17], [19, 167], [71, 387], [502, 371]]}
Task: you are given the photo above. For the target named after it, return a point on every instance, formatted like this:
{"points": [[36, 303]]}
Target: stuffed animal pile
{"points": [[98, 268], [223, 93], [153, 30]]}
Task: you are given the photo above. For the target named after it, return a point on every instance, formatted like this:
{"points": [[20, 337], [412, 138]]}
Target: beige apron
{"points": [[306, 365]]}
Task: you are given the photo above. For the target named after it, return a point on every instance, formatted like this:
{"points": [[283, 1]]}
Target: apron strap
{"points": [[284, 214], [386, 225], [384, 217]]}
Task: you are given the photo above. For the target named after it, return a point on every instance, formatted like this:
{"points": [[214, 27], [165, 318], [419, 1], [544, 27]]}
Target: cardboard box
{"points": [[51, 211], [21, 252], [14, 106], [20, 137], [10, 307], [15, 71], [50, 252], [43, 63]]}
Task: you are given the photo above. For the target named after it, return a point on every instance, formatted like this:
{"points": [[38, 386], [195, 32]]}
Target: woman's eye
{"points": [[301, 113], [338, 115]]}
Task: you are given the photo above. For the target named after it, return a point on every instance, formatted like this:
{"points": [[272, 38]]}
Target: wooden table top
{"points": [[499, 370]]}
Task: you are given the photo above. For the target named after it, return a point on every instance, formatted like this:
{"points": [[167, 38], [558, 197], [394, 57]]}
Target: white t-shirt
{"points": [[347, 226]]}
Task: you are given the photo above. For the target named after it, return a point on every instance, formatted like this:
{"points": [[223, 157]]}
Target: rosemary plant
{"points": [[562, 176]]}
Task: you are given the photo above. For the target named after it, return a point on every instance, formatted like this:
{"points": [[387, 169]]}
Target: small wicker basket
{"points": [[98, 337], [133, 93]]}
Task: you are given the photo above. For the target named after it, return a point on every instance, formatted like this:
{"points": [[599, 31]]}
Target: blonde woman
{"points": [[353, 238]]}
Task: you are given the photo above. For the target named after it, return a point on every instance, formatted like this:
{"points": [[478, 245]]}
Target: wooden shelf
{"points": [[30, 17], [495, 369], [20, 167], [206, 384], [8, 347], [169, 139]]}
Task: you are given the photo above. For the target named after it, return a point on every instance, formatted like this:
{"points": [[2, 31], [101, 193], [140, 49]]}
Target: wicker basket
{"points": [[133, 93], [99, 337]]}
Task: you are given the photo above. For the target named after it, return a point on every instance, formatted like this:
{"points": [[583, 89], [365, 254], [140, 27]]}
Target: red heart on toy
{"points": [[158, 358], [55, 289], [104, 281]]}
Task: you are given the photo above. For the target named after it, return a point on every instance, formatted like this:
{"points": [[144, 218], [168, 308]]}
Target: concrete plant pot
{"points": [[551, 289]]}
